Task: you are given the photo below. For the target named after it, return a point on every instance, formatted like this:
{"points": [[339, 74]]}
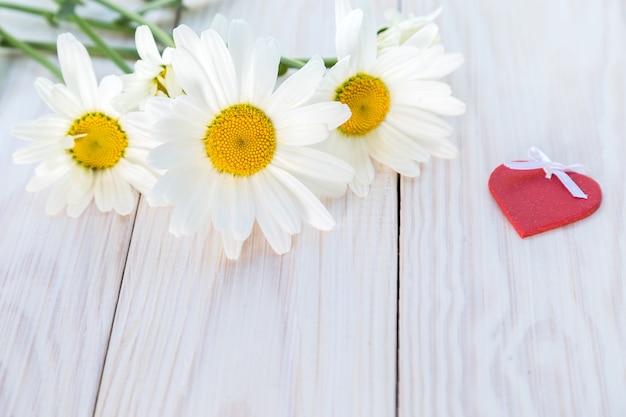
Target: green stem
{"points": [[27, 9], [292, 62], [51, 48], [157, 4], [31, 52], [159, 33], [51, 17], [100, 43], [328, 62]]}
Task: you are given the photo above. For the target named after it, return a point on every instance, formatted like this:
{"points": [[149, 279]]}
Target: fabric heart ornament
{"points": [[534, 200]]}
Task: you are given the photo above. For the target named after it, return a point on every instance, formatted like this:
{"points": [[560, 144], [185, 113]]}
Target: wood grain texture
{"points": [[491, 324], [59, 277], [59, 280], [310, 333]]}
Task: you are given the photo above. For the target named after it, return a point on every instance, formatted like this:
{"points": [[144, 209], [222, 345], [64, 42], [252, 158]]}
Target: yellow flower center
{"points": [[99, 141], [368, 99], [241, 140]]}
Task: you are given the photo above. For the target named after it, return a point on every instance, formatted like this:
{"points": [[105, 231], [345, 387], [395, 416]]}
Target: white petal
{"points": [[66, 102], [124, 200], [240, 46], [308, 205], [47, 128], [359, 189], [416, 122], [220, 25], [441, 67], [104, 191], [314, 164], [175, 130], [222, 201], [442, 148], [347, 35], [398, 64], [330, 113], [172, 154], [302, 135], [109, 88], [57, 198], [44, 88], [193, 112], [242, 209], [219, 69], [189, 215], [36, 152], [259, 79], [354, 152], [39, 182], [342, 9], [232, 246], [397, 144], [173, 186], [279, 240], [185, 37], [297, 88], [401, 163], [82, 183], [410, 93], [77, 69], [424, 37], [367, 50], [77, 208], [146, 46], [186, 67], [445, 106], [270, 221], [270, 194]]}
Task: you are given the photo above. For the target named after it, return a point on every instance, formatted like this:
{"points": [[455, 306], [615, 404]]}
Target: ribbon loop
{"points": [[539, 160]]}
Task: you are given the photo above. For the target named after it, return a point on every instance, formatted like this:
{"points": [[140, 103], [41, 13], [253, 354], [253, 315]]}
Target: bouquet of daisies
{"points": [[201, 125]]}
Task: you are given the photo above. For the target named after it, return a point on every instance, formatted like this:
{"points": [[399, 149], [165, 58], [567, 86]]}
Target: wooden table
{"points": [[423, 301]]}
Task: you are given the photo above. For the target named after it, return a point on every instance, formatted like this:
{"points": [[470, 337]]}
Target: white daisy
{"points": [[235, 149], [413, 30], [85, 148], [152, 75], [394, 98]]}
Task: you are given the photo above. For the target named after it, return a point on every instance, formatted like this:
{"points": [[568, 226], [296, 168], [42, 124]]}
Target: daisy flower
{"points": [[414, 30], [235, 149], [152, 75], [394, 97], [85, 147]]}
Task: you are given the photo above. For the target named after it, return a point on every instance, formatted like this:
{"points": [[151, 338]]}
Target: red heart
{"points": [[535, 204]]}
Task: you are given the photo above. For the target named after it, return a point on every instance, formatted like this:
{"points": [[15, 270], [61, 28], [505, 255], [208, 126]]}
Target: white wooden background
{"points": [[422, 302]]}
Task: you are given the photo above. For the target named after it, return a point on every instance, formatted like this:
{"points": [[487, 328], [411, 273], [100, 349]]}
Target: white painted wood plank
{"points": [[310, 333], [490, 324], [59, 279]]}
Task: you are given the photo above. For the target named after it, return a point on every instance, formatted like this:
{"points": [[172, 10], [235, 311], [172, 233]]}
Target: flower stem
{"points": [[31, 52], [159, 33], [100, 43], [51, 48], [292, 62], [157, 4], [300, 62], [52, 18]]}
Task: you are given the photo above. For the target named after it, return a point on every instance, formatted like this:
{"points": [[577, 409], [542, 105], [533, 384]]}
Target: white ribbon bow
{"points": [[540, 160]]}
